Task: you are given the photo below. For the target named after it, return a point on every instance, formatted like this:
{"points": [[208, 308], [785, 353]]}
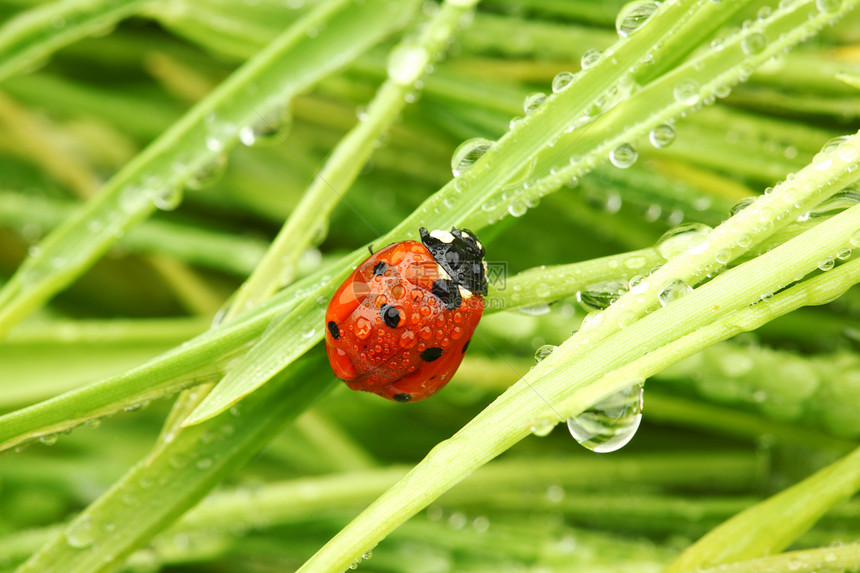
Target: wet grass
{"points": [[667, 195]]}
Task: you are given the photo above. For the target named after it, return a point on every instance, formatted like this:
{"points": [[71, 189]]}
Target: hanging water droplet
{"points": [[168, 199], [533, 102], [682, 239], [406, 63], [518, 208], [662, 136], [611, 423], [838, 202], [686, 93], [633, 15], [672, 291], [80, 533], [542, 427], [623, 156], [561, 81], [210, 172], [754, 43], [269, 128], [828, 6], [599, 296], [468, 153], [742, 204], [544, 351], [590, 57], [49, 439]]}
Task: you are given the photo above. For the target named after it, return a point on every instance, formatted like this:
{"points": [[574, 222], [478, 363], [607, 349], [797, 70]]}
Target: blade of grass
{"points": [[31, 37], [574, 381], [772, 525], [291, 63], [452, 205], [184, 470]]}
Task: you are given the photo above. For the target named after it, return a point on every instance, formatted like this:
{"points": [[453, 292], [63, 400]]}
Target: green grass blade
{"points": [[184, 470], [32, 37], [770, 526], [291, 63]]}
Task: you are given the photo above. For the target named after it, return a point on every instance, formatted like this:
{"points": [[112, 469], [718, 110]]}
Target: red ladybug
{"points": [[400, 324]]}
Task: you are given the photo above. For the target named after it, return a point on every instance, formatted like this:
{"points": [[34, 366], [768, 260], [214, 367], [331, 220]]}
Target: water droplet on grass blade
{"points": [[80, 533], [533, 102], [544, 351], [672, 291], [561, 81], [633, 15], [662, 136], [611, 423], [623, 156], [468, 153]]}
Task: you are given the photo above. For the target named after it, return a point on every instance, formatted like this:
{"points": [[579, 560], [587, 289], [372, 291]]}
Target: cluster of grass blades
{"points": [[668, 195]]}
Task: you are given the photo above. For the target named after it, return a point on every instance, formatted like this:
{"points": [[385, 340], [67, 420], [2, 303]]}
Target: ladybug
{"points": [[400, 324]]}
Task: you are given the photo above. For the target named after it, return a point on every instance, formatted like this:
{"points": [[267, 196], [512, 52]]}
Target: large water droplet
{"points": [[672, 291], [533, 102], [599, 296], [754, 43], [623, 156], [542, 427], [686, 92], [468, 153], [742, 204], [544, 351], [835, 204], [210, 172], [611, 423], [81, 533], [168, 198], [633, 15], [662, 136], [561, 81], [590, 57], [681, 239], [268, 128]]}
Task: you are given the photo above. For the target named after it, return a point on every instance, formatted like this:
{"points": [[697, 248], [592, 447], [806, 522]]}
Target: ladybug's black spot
{"points": [[332, 327], [402, 397], [447, 291], [431, 354], [378, 268], [390, 315], [465, 346]]}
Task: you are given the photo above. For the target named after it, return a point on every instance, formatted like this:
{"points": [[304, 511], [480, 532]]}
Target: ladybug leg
{"points": [[370, 248]]}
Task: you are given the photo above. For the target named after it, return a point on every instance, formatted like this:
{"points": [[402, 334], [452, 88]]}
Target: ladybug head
{"points": [[460, 254]]}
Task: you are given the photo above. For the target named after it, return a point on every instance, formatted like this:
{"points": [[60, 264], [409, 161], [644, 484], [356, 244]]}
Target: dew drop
{"points": [[754, 43], [599, 296], [49, 439], [662, 136], [562, 81], [672, 291], [542, 427], [544, 351], [518, 208], [533, 102], [168, 198], [686, 93], [826, 264], [844, 254], [623, 156], [590, 57], [741, 205], [828, 6], [208, 173], [611, 423], [638, 284], [268, 128], [835, 204], [633, 15], [468, 153], [81, 533], [681, 239]]}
